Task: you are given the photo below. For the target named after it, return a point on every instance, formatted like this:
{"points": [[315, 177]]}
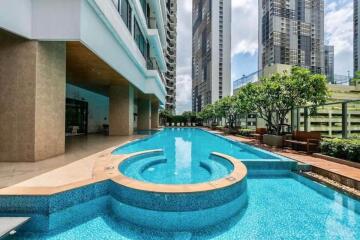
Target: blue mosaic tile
{"points": [[24, 204], [177, 202], [70, 198]]}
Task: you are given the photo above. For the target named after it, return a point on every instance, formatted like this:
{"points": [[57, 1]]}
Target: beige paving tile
{"points": [[76, 164]]}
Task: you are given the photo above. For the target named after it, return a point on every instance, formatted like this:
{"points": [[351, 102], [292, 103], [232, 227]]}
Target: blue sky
{"points": [[338, 32]]}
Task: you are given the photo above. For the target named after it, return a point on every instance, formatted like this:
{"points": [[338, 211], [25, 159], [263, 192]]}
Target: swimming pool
{"points": [[279, 207], [270, 202], [187, 157], [187, 146]]}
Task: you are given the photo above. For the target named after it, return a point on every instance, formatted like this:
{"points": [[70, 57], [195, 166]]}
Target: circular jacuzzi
{"points": [[151, 192], [154, 167]]}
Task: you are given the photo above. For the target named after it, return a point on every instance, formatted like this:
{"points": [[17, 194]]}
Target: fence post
{"points": [[292, 119], [344, 126], [298, 119], [306, 119]]}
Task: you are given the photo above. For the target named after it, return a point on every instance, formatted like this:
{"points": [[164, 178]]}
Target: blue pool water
{"points": [[191, 144], [276, 204], [286, 207], [187, 156]]}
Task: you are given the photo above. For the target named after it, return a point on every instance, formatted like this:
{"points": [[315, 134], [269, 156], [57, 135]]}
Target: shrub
{"points": [[348, 149]]}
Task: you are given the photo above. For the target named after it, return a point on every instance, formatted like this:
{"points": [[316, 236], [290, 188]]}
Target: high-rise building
{"points": [[356, 36], [291, 32], [70, 68], [329, 63], [170, 75], [211, 52]]}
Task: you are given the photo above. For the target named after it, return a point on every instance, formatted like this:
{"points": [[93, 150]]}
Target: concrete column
{"points": [[121, 110], [155, 115], [144, 114], [32, 98]]}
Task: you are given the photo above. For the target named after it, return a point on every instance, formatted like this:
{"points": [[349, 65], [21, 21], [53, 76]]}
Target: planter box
{"points": [[337, 160], [273, 140]]}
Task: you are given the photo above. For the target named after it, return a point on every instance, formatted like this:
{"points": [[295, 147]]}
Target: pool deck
{"points": [[347, 175], [89, 159], [75, 165], [8, 224]]}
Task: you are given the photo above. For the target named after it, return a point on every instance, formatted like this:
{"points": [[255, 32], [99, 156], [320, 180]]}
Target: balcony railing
{"points": [[151, 64]]}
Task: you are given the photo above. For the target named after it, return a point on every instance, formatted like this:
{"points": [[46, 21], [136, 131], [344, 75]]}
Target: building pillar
{"points": [[144, 114], [32, 99], [121, 110], [155, 115]]}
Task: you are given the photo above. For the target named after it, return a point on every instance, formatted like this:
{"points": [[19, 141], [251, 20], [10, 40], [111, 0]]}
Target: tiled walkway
{"points": [[76, 164], [340, 169]]}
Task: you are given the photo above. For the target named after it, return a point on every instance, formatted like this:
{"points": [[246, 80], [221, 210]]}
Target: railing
{"points": [[151, 64], [337, 119], [334, 119]]}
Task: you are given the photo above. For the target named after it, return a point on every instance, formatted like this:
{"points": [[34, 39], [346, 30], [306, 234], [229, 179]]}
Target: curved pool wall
{"points": [[178, 207], [178, 212], [167, 212]]}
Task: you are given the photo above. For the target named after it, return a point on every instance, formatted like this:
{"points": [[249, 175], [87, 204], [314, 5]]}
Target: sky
{"points": [[338, 32]]}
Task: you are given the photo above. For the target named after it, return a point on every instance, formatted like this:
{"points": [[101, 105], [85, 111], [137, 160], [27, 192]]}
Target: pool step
{"points": [[216, 169], [8, 225], [136, 167]]}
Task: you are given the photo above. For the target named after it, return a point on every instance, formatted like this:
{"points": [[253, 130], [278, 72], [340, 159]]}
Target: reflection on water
{"points": [[183, 159], [341, 221]]}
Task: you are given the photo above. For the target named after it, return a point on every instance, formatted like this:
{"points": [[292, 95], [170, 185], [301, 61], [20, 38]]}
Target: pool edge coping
{"points": [[237, 175]]}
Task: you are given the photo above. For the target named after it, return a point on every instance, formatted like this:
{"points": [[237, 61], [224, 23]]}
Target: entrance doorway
{"points": [[76, 117]]}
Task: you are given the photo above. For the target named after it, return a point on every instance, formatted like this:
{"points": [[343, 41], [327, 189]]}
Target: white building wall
{"points": [[95, 23], [15, 16]]}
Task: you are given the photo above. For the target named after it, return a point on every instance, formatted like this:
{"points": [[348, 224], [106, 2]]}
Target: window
{"points": [[126, 13], [140, 40], [144, 7]]}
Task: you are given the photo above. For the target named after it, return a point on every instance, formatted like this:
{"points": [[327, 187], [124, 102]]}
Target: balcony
{"points": [[156, 45]]}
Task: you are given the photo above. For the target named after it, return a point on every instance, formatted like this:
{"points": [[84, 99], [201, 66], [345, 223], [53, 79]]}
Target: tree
{"points": [[229, 108], [166, 116], [275, 96], [191, 117], [209, 113], [356, 79]]}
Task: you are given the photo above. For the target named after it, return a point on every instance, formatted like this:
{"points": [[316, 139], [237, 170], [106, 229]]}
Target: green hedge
{"points": [[348, 149]]}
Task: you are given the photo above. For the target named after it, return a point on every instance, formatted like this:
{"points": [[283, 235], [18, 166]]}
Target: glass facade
{"points": [[125, 13], [124, 8], [140, 40]]}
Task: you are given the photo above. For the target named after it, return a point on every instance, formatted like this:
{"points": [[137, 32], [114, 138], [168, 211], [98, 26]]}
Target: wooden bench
{"points": [[305, 139], [259, 133]]}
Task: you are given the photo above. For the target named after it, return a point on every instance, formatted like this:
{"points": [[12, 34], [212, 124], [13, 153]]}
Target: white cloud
{"points": [[339, 32], [184, 55], [244, 27]]}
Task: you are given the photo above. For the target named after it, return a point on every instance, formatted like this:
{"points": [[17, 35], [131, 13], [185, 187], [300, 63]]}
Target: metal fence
{"points": [[335, 119]]}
